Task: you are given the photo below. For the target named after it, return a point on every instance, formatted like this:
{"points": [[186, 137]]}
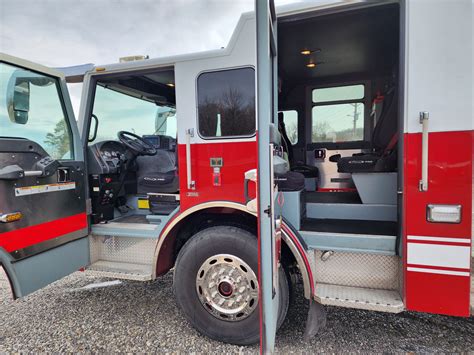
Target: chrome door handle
{"points": [[423, 184], [190, 183]]}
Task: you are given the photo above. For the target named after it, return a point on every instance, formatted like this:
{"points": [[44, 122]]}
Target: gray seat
{"points": [[159, 173]]}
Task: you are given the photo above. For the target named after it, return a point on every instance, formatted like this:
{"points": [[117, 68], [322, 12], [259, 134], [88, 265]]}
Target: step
{"points": [[332, 197], [359, 298], [118, 228], [351, 211], [370, 237], [120, 270]]}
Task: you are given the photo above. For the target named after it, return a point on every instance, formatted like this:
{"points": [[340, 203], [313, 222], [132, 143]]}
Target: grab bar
{"points": [[423, 184], [190, 183]]}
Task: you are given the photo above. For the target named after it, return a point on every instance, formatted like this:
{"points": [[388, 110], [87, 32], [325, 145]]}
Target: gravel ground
{"points": [[143, 317]]}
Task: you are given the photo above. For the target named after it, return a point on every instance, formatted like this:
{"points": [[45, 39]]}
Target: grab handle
{"points": [[189, 178], [424, 118], [250, 175]]}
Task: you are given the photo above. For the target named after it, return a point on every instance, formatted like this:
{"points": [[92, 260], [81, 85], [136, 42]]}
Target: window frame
{"points": [[197, 103], [62, 92], [359, 144]]}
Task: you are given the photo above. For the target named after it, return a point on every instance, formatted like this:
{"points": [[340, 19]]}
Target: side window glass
{"points": [[290, 119], [226, 103], [31, 108]]}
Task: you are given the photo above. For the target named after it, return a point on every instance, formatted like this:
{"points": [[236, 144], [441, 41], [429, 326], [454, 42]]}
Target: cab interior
{"points": [[132, 147], [339, 126]]}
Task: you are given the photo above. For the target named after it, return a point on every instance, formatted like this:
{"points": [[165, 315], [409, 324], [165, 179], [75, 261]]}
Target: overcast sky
{"points": [[70, 32]]}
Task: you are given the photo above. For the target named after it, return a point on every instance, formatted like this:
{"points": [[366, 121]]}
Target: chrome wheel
{"points": [[227, 287]]}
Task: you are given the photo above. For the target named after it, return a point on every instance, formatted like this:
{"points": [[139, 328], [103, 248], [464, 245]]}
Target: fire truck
{"points": [[331, 140]]}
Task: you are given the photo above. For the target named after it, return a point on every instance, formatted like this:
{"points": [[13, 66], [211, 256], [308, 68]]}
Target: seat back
{"points": [[159, 173]]}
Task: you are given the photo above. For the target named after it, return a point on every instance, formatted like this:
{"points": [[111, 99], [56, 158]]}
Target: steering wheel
{"points": [[136, 143]]}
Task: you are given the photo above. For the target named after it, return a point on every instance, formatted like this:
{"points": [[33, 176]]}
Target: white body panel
{"points": [[438, 64]]}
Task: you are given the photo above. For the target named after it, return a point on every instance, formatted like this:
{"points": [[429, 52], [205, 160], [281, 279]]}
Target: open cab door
{"points": [[43, 220], [267, 96]]}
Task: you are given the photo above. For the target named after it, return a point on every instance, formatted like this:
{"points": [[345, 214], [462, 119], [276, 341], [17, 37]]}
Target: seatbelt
{"points": [[393, 142]]}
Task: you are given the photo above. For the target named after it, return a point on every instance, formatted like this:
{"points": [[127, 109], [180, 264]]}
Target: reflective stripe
{"points": [[452, 256]]}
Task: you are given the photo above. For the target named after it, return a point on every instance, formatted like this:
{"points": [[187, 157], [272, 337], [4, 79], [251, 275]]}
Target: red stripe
{"points": [[438, 267], [25, 237], [288, 231], [460, 244]]}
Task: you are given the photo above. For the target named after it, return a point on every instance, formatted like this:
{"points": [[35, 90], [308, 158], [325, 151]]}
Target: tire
{"points": [[230, 249]]}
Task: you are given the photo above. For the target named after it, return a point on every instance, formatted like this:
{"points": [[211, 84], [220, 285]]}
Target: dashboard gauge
{"points": [[107, 154], [114, 154]]}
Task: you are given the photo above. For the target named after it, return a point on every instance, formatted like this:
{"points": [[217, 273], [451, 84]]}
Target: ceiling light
{"points": [[171, 85], [310, 51], [311, 65]]}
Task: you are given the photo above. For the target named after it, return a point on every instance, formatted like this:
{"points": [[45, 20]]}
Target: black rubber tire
{"points": [[200, 247]]}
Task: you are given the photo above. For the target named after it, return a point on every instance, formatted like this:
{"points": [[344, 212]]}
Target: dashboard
{"points": [[106, 157]]}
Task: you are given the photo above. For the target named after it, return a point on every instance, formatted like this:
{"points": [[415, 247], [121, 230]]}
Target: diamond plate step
{"points": [[119, 270], [360, 298]]}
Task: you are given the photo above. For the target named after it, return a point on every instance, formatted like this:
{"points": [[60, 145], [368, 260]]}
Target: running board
{"points": [[119, 270], [359, 298]]}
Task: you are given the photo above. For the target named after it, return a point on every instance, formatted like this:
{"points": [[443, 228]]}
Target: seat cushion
{"points": [[357, 163], [158, 182], [307, 170], [290, 181], [157, 173], [365, 163]]}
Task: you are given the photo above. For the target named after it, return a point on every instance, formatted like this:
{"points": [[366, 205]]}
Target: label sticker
{"points": [[41, 189]]}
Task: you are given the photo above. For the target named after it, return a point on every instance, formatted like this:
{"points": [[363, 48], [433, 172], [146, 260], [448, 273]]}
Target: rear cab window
{"points": [[338, 114]]}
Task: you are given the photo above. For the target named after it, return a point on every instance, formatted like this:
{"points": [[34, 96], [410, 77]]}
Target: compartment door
{"points": [[43, 221], [267, 96], [438, 155]]}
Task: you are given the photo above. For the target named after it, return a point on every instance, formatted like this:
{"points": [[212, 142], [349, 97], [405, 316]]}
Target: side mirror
{"points": [[19, 101]]}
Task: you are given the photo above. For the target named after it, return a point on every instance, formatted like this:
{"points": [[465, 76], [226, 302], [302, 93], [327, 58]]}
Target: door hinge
{"points": [[88, 206], [268, 211]]}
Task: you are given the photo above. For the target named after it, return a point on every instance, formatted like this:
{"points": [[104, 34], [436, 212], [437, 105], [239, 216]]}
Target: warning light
{"points": [[10, 217]]}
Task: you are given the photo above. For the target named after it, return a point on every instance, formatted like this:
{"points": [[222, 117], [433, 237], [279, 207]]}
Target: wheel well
{"points": [[215, 216]]}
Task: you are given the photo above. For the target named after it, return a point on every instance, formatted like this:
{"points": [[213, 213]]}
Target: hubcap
{"points": [[227, 287]]}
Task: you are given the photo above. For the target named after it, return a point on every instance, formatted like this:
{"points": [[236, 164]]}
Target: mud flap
{"points": [[316, 320]]}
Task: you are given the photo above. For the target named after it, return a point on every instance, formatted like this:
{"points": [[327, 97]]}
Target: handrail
{"points": [[190, 183], [423, 184]]}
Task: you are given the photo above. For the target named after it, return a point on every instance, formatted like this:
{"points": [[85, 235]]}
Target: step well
{"points": [[370, 237]]}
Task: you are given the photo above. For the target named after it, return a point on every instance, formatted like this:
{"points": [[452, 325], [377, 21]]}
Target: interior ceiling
{"points": [[353, 42], [152, 87]]}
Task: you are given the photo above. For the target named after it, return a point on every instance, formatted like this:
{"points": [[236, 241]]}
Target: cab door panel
{"points": [[437, 254], [47, 238]]}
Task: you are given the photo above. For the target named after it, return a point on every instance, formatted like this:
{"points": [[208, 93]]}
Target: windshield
{"points": [[116, 112]]}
